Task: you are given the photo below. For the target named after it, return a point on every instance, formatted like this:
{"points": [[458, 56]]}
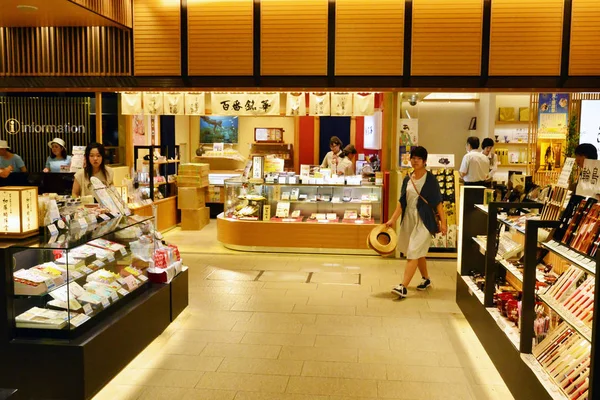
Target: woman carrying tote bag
{"points": [[423, 217]]}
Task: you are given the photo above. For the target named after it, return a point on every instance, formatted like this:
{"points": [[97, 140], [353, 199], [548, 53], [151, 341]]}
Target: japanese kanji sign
{"points": [[245, 103], [589, 179]]}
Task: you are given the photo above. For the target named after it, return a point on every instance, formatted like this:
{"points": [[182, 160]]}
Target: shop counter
{"points": [[296, 237]]}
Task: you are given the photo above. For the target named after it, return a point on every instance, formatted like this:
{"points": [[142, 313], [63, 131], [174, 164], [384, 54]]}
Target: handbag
{"points": [[438, 220]]}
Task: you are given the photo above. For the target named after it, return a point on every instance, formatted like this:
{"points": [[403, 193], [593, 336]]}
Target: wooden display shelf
{"points": [[330, 238], [166, 214]]}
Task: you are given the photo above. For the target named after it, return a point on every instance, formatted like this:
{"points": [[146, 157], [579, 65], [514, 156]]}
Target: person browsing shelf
{"points": [[10, 161], [487, 146], [347, 165], [331, 159], [475, 166], [585, 151], [58, 157], [420, 200], [94, 166]]}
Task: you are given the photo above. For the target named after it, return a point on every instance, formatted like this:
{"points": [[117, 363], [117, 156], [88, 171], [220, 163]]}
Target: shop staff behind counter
{"points": [[9, 162]]}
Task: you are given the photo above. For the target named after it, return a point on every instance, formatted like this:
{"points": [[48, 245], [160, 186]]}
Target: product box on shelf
{"points": [[194, 169], [191, 198]]}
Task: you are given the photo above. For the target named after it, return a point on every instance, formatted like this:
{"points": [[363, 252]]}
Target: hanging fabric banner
{"points": [[295, 104], [153, 103], [194, 104], [251, 104], [131, 103], [319, 104], [364, 104], [341, 104], [173, 104], [372, 132]]}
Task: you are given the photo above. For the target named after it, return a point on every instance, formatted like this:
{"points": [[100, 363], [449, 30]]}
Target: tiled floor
{"points": [[251, 335]]}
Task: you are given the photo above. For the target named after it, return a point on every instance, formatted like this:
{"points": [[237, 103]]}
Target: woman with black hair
{"points": [[58, 158], [420, 199], [94, 166], [348, 161]]}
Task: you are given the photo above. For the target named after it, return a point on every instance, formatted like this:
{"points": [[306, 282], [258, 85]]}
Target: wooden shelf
{"points": [[512, 165], [498, 144], [512, 122], [155, 184]]}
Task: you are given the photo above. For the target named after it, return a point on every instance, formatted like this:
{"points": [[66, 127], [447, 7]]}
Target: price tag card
{"points": [[87, 309], [122, 281], [123, 292], [105, 303], [49, 284], [110, 257], [79, 319], [86, 270], [131, 282], [104, 217], [114, 297], [98, 264], [76, 274], [123, 251], [143, 278], [82, 223], [52, 229]]}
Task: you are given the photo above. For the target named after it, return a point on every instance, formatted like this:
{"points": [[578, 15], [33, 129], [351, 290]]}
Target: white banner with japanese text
{"points": [[319, 105], [194, 104], [341, 104], [251, 104], [364, 104], [131, 103], [295, 104], [153, 103], [589, 179], [173, 104]]}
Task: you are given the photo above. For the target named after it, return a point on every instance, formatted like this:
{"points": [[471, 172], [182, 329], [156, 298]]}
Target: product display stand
{"points": [[527, 363], [164, 151]]}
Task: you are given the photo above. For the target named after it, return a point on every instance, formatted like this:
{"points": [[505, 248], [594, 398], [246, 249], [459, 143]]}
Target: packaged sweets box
{"points": [[194, 169]]}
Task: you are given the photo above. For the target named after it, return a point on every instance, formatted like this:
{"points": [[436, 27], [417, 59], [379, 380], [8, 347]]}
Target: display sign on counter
{"points": [[589, 179], [565, 174]]}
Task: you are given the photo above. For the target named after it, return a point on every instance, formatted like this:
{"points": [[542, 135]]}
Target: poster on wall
{"points": [[372, 132], [131, 103], [363, 104], [153, 103], [218, 129], [319, 104], [250, 104], [139, 133], [404, 156], [589, 126], [194, 104], [408, 132], [173, 104], [295, 104], [553, 115], [341, 104]]}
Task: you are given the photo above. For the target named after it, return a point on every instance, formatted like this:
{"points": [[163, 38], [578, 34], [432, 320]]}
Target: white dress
{"points": [[414, 239]]}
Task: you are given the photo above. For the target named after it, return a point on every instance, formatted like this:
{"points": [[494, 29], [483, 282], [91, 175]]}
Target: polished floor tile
{"points": [[255, 330]]}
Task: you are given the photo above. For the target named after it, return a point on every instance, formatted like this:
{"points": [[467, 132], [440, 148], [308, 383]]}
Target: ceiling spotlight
{"points": [[412, 100]]}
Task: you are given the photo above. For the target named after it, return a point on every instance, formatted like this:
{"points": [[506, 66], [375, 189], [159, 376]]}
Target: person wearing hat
{"points": [[348, 161], [58, 157], [420, 200], [9, 160], [332, 158]]}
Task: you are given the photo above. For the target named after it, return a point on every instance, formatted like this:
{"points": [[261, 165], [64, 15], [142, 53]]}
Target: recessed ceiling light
{"points": [[25, 7]]}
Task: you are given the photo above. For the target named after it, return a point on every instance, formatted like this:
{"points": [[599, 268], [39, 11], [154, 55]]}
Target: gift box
{"points": [[191, 198]]}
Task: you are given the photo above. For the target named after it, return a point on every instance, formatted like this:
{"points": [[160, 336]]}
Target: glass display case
{"points": [[63, 283], [309, 203], [244, 200]]}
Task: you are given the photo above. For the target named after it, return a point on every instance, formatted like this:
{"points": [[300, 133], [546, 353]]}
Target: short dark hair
{"points": [[473, 141], [335, 140], [487, 142], [420, 152], [587, 150], [350, 149]]}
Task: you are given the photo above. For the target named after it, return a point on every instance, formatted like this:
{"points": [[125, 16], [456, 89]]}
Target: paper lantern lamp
{"points": [[18, 212]]}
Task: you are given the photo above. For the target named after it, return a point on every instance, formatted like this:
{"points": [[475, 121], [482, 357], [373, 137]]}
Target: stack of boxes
{"points": [[192, 182]]}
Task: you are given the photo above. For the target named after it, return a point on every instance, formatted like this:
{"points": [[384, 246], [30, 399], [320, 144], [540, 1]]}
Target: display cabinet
{"points": [[61, 285], [299, 217], [152, 169], [78, 306]]}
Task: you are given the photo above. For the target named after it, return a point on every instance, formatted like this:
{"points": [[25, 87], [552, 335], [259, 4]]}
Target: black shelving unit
{"points": [[513, 360], [168, 152]]}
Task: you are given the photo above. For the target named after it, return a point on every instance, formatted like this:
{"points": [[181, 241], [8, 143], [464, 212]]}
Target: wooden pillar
{"points": [[98, 117], [317, 137], [297, 144]]}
